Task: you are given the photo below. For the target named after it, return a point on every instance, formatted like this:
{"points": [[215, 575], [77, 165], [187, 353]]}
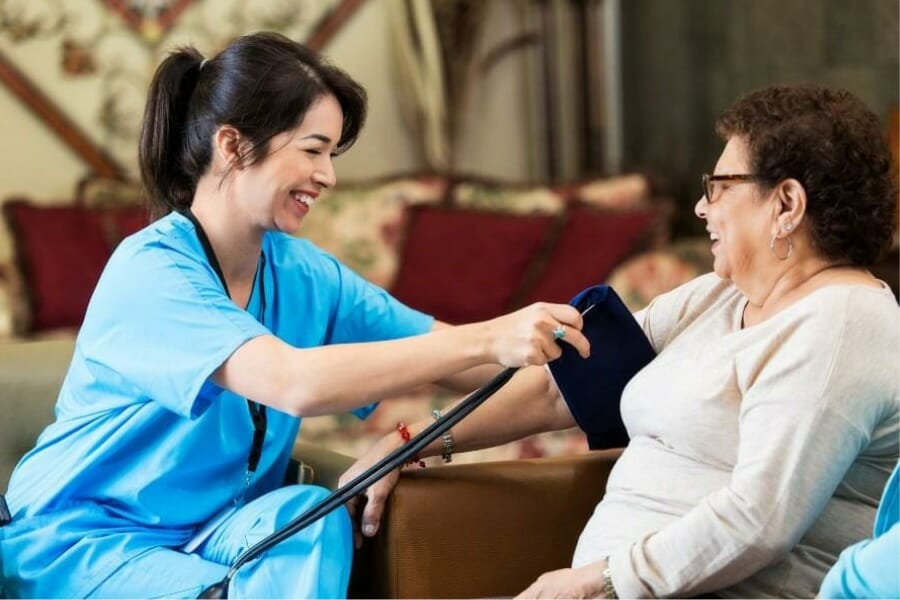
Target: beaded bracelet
{"points": [[446, 438], [609, 590], [404, 433]]}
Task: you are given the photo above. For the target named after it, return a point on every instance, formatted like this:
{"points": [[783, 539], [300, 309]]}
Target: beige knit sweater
{"points": [[756, 454]]}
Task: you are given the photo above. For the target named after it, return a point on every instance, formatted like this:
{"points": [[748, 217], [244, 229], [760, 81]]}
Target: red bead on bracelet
{"points": [[404, 433]]}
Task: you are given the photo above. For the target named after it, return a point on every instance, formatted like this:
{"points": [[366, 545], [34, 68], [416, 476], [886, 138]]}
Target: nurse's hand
{"points": [[532, 335], [366, 509]]}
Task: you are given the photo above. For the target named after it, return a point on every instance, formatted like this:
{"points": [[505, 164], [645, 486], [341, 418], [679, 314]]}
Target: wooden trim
{"points": [[331, 23], [51, 116]]}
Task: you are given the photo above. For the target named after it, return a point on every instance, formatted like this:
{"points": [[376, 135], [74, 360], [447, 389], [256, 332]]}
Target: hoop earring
{"points": [[790, 249]]}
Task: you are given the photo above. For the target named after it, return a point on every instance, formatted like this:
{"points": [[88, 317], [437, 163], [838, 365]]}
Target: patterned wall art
{"points": [[83, 66], [150, 19]]}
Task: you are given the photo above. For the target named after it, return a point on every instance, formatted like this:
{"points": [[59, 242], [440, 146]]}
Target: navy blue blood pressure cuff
{"points": [[592, 387]]}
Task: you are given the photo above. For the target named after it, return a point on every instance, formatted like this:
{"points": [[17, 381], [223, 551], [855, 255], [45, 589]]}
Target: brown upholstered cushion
{"points": [[480, 530]]}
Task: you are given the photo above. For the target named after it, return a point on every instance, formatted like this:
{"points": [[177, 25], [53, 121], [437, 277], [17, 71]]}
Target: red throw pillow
{"points": [[463, 265], [61, 251], [120, 222], [590, 244]]}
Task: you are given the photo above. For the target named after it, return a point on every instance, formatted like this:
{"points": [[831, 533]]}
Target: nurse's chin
{"points": [[288, 223]]}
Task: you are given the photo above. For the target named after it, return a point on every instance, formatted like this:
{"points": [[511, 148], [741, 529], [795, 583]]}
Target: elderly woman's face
{"points": [[737, 218]]}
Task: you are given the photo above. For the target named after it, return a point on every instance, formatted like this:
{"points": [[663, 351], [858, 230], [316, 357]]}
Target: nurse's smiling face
{"points": [[279, 190]]}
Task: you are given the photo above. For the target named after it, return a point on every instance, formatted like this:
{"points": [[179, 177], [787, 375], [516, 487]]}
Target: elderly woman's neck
{"points": [[796, 279], [792, 279]]}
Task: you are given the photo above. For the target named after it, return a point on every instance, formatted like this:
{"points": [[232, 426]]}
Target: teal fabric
{"points": [[315, 563], [145, 449], [871, 568]]}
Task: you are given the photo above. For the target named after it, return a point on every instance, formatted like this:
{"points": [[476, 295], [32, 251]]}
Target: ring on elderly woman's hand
{"points": [[559, 332]]}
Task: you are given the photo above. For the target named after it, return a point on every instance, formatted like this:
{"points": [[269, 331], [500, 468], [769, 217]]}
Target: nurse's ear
{"points": [[230, 147]]}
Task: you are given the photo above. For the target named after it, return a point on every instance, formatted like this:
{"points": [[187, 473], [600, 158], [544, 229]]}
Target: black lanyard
{"points": [[257, 411]]}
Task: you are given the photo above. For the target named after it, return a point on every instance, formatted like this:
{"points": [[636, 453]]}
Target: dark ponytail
{"points": [[262, 84], [169, 187]]}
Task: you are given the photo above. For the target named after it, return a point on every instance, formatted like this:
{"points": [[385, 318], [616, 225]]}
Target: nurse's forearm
{"points": [[469, 380], [340, 377]]}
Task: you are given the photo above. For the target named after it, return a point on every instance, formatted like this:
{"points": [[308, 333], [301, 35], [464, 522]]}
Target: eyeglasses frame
{"points": [[706, 179]]}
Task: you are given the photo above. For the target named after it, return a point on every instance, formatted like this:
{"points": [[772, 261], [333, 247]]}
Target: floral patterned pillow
{"points": [[642, 278], [519, 200], [362, 225], [622, 192]]}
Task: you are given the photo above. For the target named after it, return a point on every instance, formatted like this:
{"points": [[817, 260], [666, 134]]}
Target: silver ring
{"points": [[559, 332]]}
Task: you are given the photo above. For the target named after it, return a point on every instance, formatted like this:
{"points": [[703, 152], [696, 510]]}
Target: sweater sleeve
{"points": [[796, 444]]}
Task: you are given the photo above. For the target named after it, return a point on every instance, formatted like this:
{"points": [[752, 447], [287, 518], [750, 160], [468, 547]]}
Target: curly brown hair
{"points": [[831, 143]]}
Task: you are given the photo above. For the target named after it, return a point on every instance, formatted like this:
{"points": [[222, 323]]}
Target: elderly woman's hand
{"points": [[583, 582], [367, 521]]}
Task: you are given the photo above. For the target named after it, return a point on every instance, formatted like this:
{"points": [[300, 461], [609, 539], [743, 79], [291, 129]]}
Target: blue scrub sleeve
{"points": [[159, 324], [592, 387], [367, 313], [869, 569]]}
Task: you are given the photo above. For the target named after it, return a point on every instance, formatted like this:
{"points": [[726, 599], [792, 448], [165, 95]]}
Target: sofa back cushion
{"points": [[586, 248], [60, 251], [466, 265], [362, 224]]}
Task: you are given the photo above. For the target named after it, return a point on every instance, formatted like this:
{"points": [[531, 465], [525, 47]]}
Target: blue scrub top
{"points": [[144, 444]]}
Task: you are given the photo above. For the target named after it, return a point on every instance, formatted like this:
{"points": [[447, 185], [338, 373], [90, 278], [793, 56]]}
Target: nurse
{"points": [[211, 333]]}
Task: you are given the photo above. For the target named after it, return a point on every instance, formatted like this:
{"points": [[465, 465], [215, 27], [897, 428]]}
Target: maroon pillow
{"points": [[590, 244], [463, 265], [121, 222], [61, 251]]}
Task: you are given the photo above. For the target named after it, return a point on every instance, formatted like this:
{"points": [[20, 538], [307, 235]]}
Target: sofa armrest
{"points": [[316, 465], [480, 530], [31, 374]]}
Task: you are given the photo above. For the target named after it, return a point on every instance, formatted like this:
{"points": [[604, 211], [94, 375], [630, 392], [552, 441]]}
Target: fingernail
{"points": [[369, 529]]}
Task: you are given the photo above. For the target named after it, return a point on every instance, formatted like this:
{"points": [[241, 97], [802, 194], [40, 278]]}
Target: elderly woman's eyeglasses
{"points": [[708, 181]]}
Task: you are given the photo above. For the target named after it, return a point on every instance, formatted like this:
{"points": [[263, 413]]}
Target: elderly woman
{"points": [[766, 427]]}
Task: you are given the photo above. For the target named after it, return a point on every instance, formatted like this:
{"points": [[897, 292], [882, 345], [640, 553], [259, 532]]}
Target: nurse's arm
{"points": [[340, 377], [470, 379]]}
